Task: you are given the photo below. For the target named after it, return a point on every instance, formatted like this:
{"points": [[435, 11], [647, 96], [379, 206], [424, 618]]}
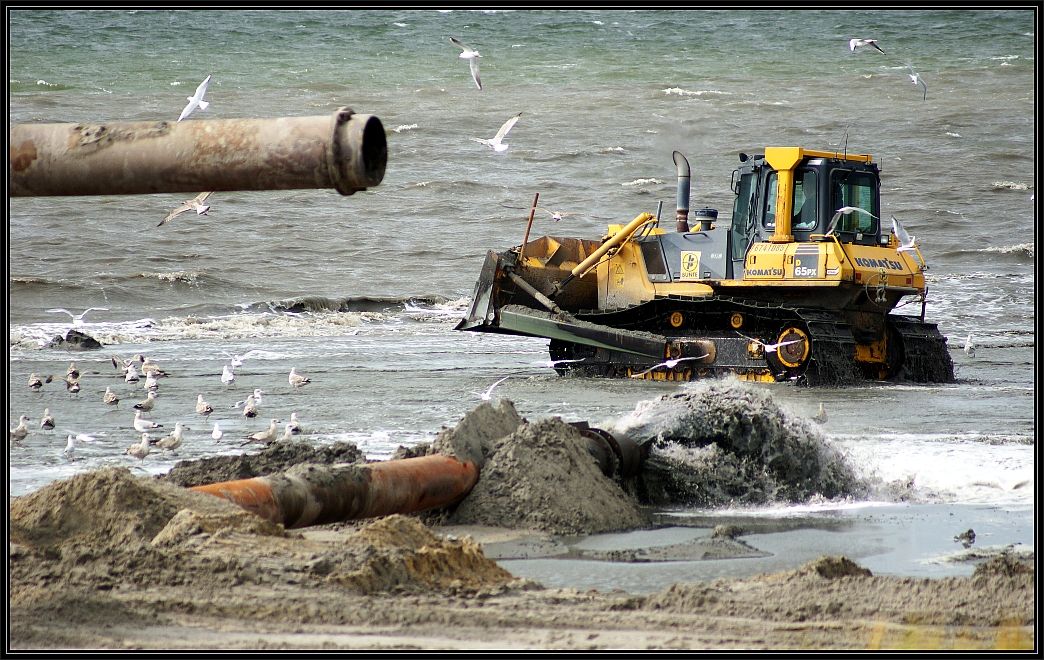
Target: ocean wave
{"points": [[405, 127], [1011, 185], [390, 305], [684, 92], [642, 182], [1021, 248], [611, 150], [175, 276]]}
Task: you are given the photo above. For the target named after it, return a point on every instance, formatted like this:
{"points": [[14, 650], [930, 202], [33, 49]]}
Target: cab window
{"points": [[770, 201], [741, 220], [805, 189], [856, 189]]}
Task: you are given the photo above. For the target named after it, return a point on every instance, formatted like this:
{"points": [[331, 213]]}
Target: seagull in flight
{"points": [[196, 100], [77, 319], [485, 396], [856, 43], [472, 56], [195, 204], [915, 78], [906, 241], [844, 210], [496, 143], [670, 364], [771, 348], [556, 215]]}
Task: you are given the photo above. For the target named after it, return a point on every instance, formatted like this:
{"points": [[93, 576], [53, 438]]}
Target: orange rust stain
{"points": [[22, 156]]}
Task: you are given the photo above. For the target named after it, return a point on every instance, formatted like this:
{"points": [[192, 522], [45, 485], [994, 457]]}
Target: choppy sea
{"points": [[361, 293]]}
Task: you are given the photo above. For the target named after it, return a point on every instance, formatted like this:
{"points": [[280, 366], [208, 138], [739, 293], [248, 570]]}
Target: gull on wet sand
{"points": [[821, 416], [227, 377], [915, 78], [196, 100], [71, 384], [257, 395], [288, 432], [217, 433], [19, 432], [195, 204], [47, 422], [267, 437], [202, 407], [969, 347], [70, 446], [296, 381], [472, 56], [174, 440], [151, 382], [497, 143], [147, 405], [72, 371], [35, 383], [294, 425], [110, 398], [142, 425], [250, 407], [149, 367], [858, 43], [141, 449], [132, 374], [77, 319]]}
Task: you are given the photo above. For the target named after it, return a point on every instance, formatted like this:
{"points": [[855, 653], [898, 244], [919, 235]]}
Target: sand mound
{"points": [[542, 477], [724, 442], [277, 457], [405, 556], [105, 508], [834, 567]]}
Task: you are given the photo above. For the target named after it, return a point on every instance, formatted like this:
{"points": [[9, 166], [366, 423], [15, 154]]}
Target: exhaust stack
{"points": [[683, 191]]}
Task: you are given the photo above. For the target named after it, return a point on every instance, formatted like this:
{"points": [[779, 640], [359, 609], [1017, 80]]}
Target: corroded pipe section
{"points": [[318, 494], [344, 151]]}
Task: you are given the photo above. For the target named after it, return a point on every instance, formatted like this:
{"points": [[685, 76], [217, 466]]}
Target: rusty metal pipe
{"points": [[318, 494], [344, 151]]}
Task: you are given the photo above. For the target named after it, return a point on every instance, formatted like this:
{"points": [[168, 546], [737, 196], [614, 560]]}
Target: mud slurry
{"points": [[724, 443]]}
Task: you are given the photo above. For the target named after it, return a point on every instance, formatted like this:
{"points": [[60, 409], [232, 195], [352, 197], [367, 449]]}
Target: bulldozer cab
{"points": [[819, 184]]}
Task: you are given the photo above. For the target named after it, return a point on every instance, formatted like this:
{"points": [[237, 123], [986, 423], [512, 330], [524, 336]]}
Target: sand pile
{"points": [[402, 555], [724, 442], [277, 457], [542, 477]]}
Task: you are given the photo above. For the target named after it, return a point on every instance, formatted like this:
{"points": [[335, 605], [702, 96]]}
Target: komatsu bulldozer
{"points": [[802, 285]]}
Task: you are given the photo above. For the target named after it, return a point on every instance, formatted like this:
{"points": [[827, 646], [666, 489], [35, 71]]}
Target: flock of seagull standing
{"points": [[134, 371]]}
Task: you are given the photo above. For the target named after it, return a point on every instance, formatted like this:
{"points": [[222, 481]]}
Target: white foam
{"points": [[642, 182]]}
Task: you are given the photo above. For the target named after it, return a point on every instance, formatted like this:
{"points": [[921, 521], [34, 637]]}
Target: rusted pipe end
{"points": [[357, 153]]}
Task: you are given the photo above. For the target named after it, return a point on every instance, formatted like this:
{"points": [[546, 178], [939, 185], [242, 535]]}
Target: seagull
{"points": [[151, 383], [906, 241], [288, 432], [47, 422], [124, 365], [141, 449], [236, 360], [485, 396], [77, 319], [294, 425], [257, 395], [216, 433], [196, 100], [556, 215], [297, 381], [227, 376], [202, 407], [196, 204], [969, 347], [966, 539], [72, 371], [19, 432], [110, 398], [820, 417], [771, 348], [472, 55], [915, 78], [71, 384], [266, 437], [495, 144], [670, 364], [856, 43], [174, 440], [73, 439], [149, 367], [250, 407], [35, 383], [845, 210], [132, 373], [142, 425], [148, 404]]}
